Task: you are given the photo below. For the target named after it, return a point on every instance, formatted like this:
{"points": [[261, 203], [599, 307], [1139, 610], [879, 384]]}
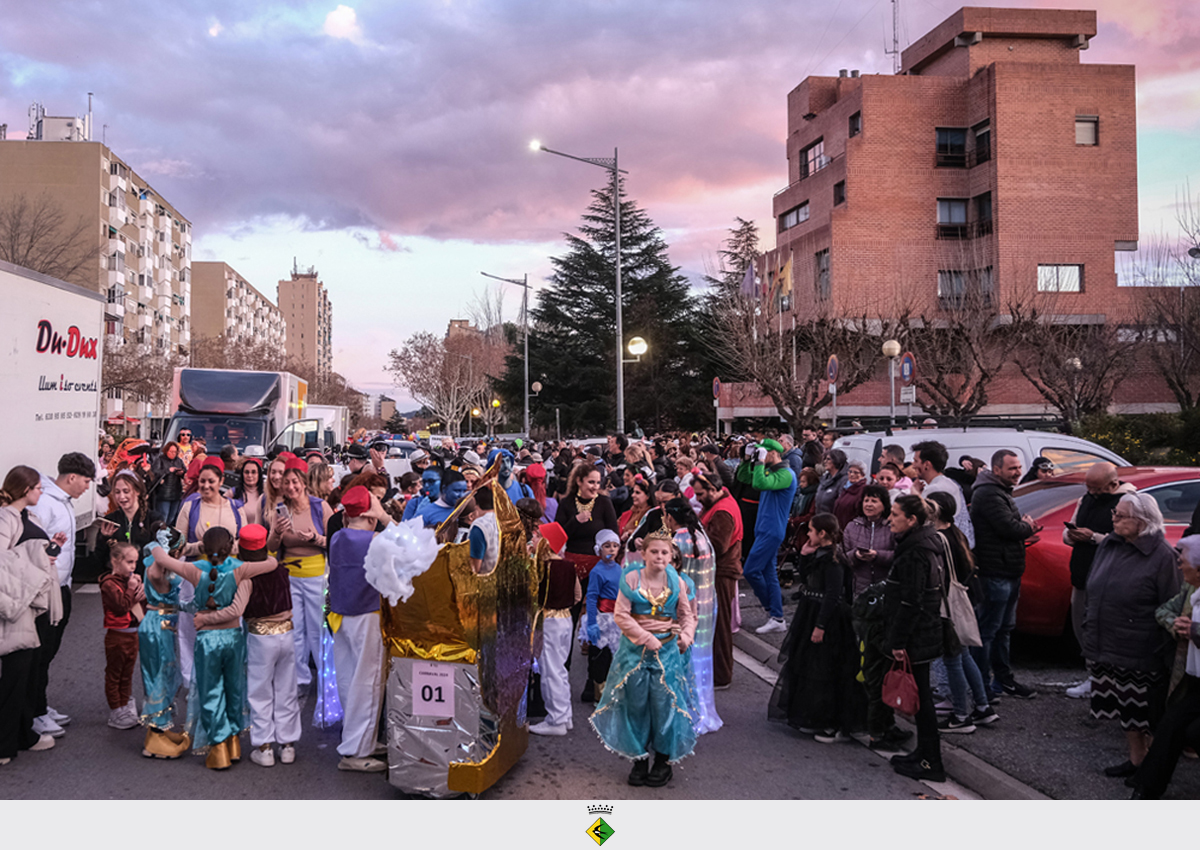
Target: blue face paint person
{"points": [[431, 483], [455, 493]]}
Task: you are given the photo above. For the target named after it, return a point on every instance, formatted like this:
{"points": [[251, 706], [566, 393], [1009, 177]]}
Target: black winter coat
{"points": [[912, 598], [1000, 533], [168, 487]]}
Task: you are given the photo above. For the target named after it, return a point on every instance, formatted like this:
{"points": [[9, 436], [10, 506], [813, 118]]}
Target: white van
{"points": [[1069, 454]]}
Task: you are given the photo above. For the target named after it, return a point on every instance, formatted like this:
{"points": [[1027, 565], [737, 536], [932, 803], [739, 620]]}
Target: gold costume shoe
{"points": [[177, 737], [235, 748], [159, 745], [218, 756]]}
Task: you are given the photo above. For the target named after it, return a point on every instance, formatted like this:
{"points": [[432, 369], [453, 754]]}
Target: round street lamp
{"points": [[536, 386], [638, 346], [891, 350]]}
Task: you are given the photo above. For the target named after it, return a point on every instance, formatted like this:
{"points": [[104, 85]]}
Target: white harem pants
{"points": [[271, 680], [358, 657]]}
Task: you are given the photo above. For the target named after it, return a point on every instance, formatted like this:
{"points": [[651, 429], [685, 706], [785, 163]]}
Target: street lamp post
{"points": [[891, 350], [524, 283], [609, 165]]}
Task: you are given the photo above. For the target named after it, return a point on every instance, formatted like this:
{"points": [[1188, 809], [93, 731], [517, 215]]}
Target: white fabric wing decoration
{"points": [[398, 555]]}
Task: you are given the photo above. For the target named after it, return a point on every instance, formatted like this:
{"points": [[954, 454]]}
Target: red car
{"points": [[1045, 603]]}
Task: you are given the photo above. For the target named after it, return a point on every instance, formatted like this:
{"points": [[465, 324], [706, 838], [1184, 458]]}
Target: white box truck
{"points": [[244, 408], [50, 373], [336, 422]]}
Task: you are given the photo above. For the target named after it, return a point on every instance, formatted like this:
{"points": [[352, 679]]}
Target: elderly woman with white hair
{"points": [[1133, 574]]}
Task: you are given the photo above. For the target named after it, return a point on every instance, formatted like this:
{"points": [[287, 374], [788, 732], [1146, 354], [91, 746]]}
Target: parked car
{"points": [[1044, 607], [1069, 454]]}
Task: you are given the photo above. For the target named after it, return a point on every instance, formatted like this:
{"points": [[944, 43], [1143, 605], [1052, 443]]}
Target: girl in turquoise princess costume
{"points": [[647, 703], [217, 700]]}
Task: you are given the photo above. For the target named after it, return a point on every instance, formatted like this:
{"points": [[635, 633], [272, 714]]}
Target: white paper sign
{"points": [[908, 395], [433, 689]]}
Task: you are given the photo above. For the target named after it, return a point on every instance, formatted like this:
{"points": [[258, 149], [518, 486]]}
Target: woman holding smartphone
{"points": [[298, 526], [130, 519]]}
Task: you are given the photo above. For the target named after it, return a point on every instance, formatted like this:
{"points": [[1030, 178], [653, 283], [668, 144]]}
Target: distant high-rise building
{"points": [[142, 245], [308, 313], [224, 304]]}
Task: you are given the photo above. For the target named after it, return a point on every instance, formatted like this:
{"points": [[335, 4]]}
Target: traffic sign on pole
{"points": [[716, 387], [831, 368], [908, 368]]}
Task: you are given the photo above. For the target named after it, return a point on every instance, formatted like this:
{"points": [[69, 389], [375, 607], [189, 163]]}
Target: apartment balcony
{"points": [[145, 294], [162, 303], [115, 309], [972, 230]]}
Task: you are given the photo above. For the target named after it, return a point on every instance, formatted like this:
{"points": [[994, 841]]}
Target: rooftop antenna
{"points": [[895, 51], [87, 136], [104, 134]]}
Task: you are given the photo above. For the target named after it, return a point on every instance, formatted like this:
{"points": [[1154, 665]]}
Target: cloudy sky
{"points": [[386, 143]]}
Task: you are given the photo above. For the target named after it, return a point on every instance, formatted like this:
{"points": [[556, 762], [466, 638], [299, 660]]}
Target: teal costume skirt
{"points": [[159, 657], [217, 704], [647, 703]]}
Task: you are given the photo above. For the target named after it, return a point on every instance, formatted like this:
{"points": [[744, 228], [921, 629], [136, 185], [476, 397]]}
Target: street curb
{"points": [[967, 769]]}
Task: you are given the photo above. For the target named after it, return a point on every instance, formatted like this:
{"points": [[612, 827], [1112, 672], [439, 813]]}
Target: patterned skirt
{"points": [[1135, 697]]}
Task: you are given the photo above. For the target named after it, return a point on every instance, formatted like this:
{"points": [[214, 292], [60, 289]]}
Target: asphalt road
{"points": [[750, 758]]}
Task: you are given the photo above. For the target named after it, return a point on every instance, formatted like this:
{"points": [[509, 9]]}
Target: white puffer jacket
{"points": [[28, 587]]}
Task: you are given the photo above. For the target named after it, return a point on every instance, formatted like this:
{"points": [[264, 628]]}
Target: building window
{"points": [[821, 275], [952, 218], [983, 141], [983, 214], [855, 124], [964, 287], [839, 192], [1060, 278], [1087, 130], [951, 147], [794, 216], [813, 159]]}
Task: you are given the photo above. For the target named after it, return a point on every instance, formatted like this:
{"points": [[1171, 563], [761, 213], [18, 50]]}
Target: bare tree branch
{"points": [[36, 233]]}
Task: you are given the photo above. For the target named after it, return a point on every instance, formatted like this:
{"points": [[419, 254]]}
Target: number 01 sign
{"points": [[433, 689]]}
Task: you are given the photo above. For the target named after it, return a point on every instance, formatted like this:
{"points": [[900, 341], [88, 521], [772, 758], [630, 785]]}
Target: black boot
{"points": [[637, 776], [589, 692], [660, 774], [931, 771]]}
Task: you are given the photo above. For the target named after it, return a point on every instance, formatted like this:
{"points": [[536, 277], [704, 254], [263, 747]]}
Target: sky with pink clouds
{"points": [[386, 143]]}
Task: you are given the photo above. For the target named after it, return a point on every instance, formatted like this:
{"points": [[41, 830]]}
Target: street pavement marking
{"points": [[762, 671], [948, 788], [88, 588]]}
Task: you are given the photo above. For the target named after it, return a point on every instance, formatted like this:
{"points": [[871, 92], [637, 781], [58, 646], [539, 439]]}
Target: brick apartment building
{"points": [[994, 160]]}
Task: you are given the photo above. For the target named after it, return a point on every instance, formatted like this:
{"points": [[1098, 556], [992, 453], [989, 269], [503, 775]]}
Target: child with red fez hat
{"points": [[270, 657], [199, 512], [357, 641], [217, 698], [562, 592]]}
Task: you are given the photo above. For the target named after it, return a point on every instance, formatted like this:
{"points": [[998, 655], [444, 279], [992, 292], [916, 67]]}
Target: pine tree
{"points": [[573, 330]]}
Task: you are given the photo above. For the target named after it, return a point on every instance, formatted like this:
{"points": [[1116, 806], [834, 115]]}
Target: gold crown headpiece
{"points": [[661, 533]]}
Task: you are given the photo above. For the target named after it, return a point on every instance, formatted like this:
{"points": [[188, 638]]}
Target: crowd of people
{"points": [[235, 587]]}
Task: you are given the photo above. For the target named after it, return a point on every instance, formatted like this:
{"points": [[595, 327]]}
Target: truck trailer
{"points": [[243, 408], [50, 374]]}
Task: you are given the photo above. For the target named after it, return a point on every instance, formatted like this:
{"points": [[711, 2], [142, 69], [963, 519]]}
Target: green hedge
{"points": [[1168, 439]]}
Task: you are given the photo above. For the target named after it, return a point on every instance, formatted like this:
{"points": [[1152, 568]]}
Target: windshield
{"points": [[1042, 497], [220, 431]]}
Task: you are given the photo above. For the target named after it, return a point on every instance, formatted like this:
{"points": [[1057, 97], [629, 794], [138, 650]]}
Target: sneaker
{"points": [[984, 716], [45, 725], [263, 756], [1016, 689], [724, 687], [1081, 690], [132, 706], [831, 736], [287, 754], [380, 749], [944, 707], [120, 718], [57, 716], [956, 725], [775, 624], [547, 728], [43, 743], [364, 765], [921, 770]]}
